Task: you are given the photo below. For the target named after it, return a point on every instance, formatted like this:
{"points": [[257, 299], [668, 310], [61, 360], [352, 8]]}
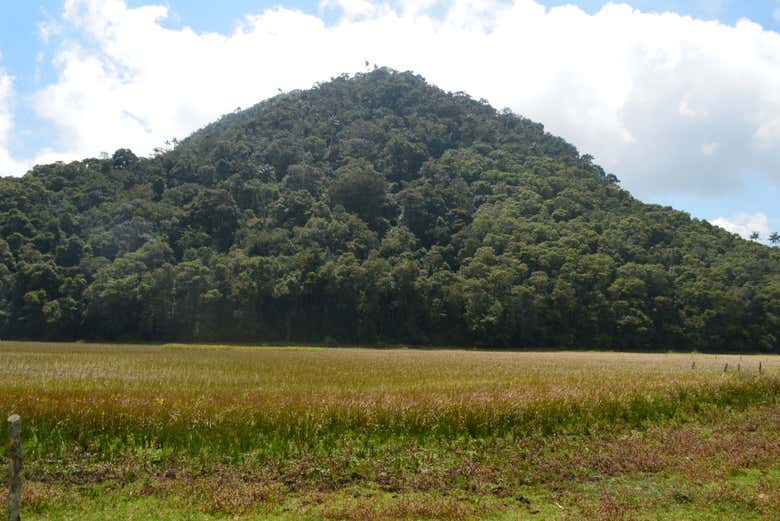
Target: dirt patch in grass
{"points": [[472, 479]]}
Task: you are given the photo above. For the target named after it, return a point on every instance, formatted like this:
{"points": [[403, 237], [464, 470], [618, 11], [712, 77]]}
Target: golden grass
{"points": [[226, 401]]}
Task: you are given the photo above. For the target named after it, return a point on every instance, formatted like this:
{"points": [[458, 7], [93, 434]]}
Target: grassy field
{"points": [[218, 432]]}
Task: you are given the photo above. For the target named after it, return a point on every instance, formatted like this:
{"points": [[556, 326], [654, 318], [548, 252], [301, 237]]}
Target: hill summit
{"points": [[372, 209]]}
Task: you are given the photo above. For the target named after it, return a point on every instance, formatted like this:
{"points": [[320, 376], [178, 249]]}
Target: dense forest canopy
{"points": [[372, 209]]}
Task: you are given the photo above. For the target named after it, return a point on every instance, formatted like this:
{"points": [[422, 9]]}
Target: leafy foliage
{"points": [[373, 208]]}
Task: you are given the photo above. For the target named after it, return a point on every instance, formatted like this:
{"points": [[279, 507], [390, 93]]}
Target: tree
{"points": [[360, 189], [374, 208], [214, 212], [123, 158]]}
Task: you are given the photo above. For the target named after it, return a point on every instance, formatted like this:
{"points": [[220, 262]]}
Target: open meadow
{"points": [[218, 432]]}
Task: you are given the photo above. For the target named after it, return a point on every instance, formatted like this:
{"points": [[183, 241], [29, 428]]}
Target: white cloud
{"points": [[8, 165], [417, 6], [48, 29], [744, 224], [709, 149], [6, 118], [351, 8], [666, 102]]}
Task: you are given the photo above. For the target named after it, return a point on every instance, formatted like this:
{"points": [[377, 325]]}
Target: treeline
{"points": [[372, 209]]}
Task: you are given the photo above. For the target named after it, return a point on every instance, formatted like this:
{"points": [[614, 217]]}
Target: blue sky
{"points": [[726, 181]]}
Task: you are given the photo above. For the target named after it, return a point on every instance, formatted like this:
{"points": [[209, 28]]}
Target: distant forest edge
{"points": [[372, 209]]}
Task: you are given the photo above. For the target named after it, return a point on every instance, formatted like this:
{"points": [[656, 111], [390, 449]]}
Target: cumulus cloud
{"points": [[666, 102], [6, 118], [350, 8], [8, 165], [745, 224]]}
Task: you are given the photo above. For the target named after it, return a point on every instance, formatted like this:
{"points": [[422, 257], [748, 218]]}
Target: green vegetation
{"points": [[207, 433], [250, 403], [378, 209], [372, 209]]}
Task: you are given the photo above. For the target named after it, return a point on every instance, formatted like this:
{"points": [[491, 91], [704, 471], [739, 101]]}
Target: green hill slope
{"points": [[372, 209]]}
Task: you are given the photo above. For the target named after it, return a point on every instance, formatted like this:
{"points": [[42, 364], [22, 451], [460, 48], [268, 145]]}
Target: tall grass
{"points": [[222, 403]]}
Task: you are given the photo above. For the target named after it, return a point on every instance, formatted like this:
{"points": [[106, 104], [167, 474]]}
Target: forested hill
{"points": [[372, 209]]}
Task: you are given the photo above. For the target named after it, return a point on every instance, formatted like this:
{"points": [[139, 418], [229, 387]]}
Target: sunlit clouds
{"points": [[666, 102]]}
